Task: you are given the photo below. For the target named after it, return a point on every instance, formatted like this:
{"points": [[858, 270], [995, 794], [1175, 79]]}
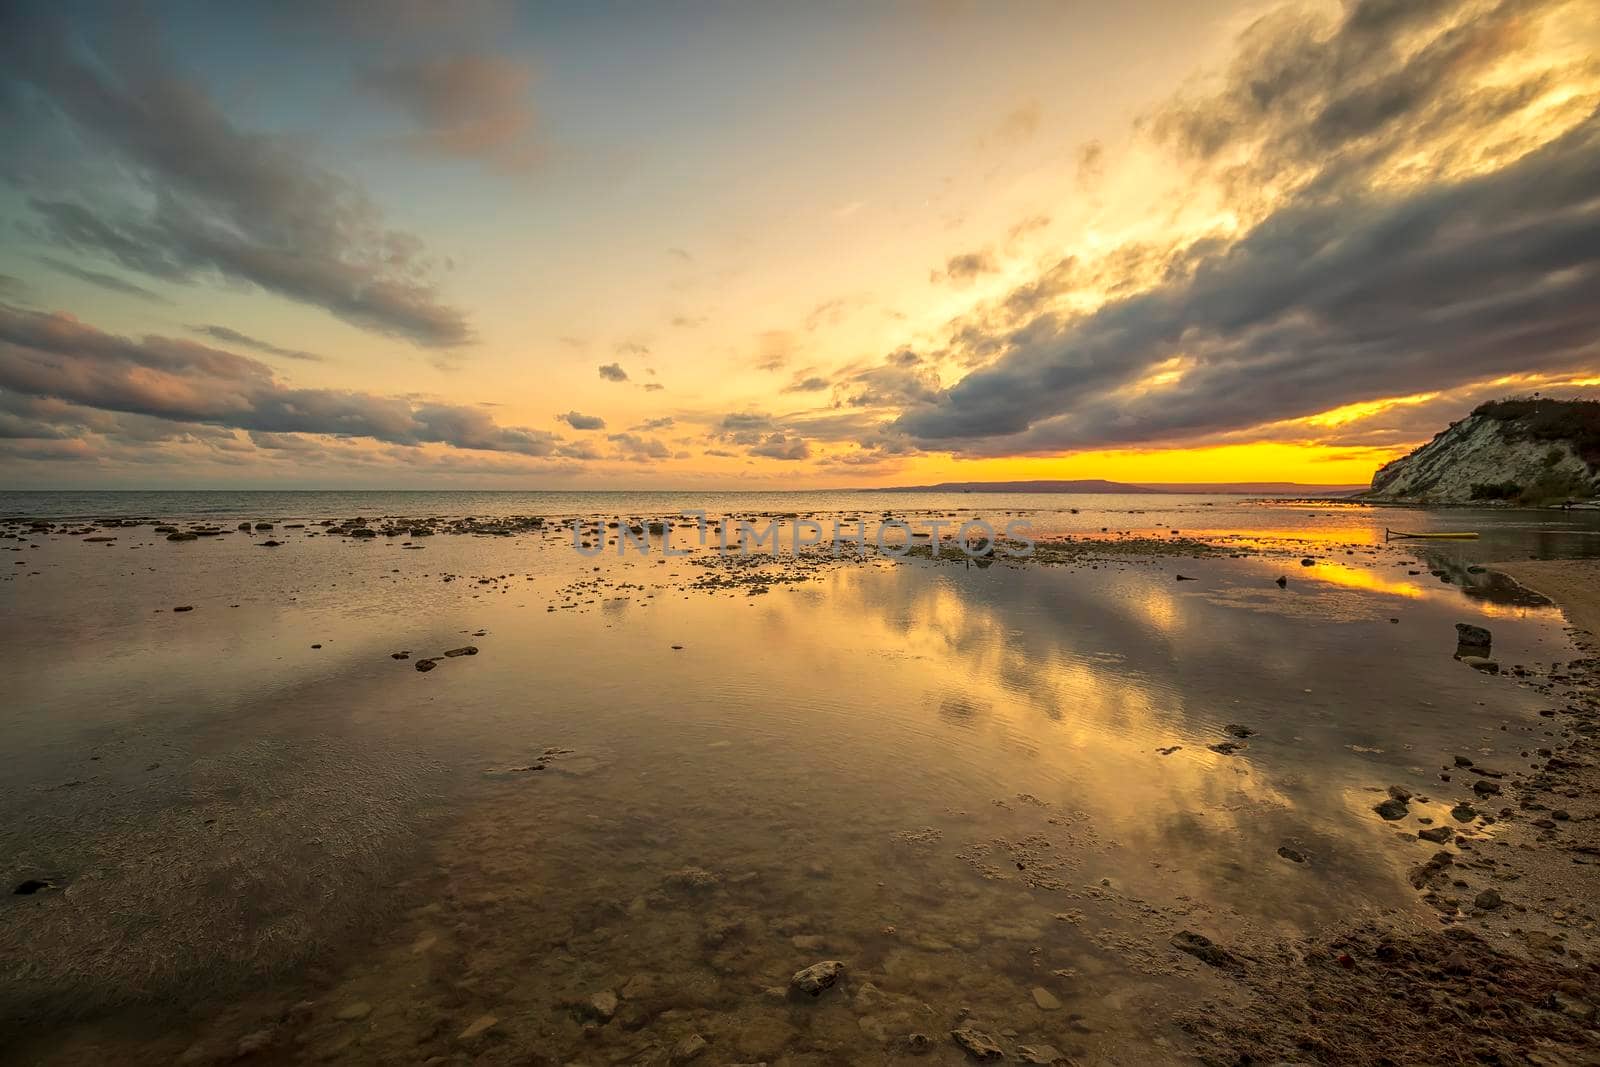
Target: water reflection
{"points": [[965, 783]]}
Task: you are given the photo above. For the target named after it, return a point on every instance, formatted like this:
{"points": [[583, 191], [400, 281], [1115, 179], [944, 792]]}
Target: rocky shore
{"points": [[1512, 974]]}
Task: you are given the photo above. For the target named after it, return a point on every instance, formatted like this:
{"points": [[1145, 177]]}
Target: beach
{"points": [[1200, 782]]}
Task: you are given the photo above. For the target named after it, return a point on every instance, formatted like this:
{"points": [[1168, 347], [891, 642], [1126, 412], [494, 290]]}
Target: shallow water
{"points": [[966, 783]]}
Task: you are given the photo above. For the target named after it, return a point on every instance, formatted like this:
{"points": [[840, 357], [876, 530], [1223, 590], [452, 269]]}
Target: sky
{"points": [[783, 246]]}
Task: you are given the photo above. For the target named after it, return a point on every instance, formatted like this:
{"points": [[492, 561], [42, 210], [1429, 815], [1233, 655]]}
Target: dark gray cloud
{"points": [[813, 384], [234, 337], [199, 195], [965, 267], [474, 106], [582, 422], [613, 372], [109, 282], [1354, 287], [57, 358]]}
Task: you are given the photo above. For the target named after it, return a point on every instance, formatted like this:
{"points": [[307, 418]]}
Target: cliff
{"points": [[1528, 452]]}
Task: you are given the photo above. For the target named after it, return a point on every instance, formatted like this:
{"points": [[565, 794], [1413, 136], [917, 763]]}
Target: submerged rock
{"points": [[1293, 855], [478, 1027], [1203, 949], [465, 650], [814, 979], [426, 665], [601, 1006], [1045, 999], [1470, 636]]}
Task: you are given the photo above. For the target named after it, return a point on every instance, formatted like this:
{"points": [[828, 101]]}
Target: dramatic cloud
{"points": [[583, 422], [234, 337], [468, 106], [205, 196], [1362, 280], [59, 360], [613, 372]]}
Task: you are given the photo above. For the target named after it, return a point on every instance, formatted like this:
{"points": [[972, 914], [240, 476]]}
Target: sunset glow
{"points": [[562, 246]]}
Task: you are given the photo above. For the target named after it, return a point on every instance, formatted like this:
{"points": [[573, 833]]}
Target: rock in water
{"points": [[1045, 999], [601, 1005], [1283, 581], [977, 1044], [817, 977], [479, 1026], [1470, 636], [466, 650], [1203, 949], [426, 665]]}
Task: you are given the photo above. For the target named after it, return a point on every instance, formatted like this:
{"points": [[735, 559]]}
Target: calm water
{"points": [[972, 785]]}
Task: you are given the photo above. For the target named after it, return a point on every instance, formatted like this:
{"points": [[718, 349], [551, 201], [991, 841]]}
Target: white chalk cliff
{"points": [[1520, 452]]}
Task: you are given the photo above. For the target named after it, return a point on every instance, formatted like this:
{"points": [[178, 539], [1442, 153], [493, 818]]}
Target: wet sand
{"points": [[1115, 808]]}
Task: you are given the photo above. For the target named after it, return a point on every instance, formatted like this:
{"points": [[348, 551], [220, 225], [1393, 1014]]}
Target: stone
{"points": [[814, 979], [1463, 812], [1391, 809], [1293, 855], [1436, 834], [1226, 748], [1470, 636], [465, 650], [601, 1005], [1400, 793], [1485, 788], [426, 665], [977, 1044], [1488, 900], [1203, 949], [1041, 1054], [1233, 729], [1045, 999], [919, 1044], [477, 1028]]}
